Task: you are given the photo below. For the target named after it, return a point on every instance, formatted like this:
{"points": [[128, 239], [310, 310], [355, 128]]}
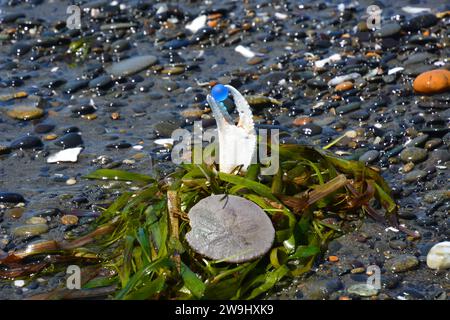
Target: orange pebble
{"points": [[213, 23], [301, 121], [333, 258], [344, 86], [344, 298], [433, 81]]}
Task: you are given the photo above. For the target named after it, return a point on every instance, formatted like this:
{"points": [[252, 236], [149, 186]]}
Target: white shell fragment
{"points": [[395, 70], [333, 58], [439, 256], [339, 79], [414, 10], [246, 52], [197, 23], [66, 155], [229, 228]]}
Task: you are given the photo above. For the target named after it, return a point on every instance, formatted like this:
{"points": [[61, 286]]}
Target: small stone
{"points": [[10, 197], [36, 220], [413, 154], [369, 156], [71, 181], [69, 140], [433, 81], [171, 71], [301, 121], [115, 116], [388, 30], [50, 137], [333, 258], [27, 142], [415, 175], [439, 256], [362, 290], [192, 113], [15, 213], [310, 129], [402, 263], [344, 86], [25, 112], [358, 270], [433, 143], [408, 167], [254, 61], [131, 66], [69, 219], [30, 230]]}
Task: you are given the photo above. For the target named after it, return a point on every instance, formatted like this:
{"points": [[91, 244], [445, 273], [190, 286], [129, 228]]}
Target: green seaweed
{"points": [[140, 240]]}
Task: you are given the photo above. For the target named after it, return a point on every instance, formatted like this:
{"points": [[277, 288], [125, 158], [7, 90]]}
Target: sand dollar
{"points": [[229, 228]]}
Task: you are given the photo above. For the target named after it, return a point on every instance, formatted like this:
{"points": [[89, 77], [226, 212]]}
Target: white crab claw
{"points": [[237, 143]]}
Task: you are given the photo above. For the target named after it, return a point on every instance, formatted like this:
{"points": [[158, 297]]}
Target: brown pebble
{"points": [[408, 167], [433, 81], [15, 213], [115, 116], [255, 60], [69, 219], [358, 270], [301, 121]]}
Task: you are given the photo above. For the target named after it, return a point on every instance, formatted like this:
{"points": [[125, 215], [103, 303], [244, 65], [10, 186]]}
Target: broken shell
{"points": [[229, 228]]}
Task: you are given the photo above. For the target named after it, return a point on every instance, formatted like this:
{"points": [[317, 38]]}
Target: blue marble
{"points": [[219, 92]]}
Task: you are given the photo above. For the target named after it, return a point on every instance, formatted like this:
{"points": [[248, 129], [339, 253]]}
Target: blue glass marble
{"points": [[219, 92]]}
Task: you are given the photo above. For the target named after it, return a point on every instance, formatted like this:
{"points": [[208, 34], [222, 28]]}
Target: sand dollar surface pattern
{"points": [[229, 228]]}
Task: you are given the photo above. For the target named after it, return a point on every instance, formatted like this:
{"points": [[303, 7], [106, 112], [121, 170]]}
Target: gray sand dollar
{"points": [[229, 228]]}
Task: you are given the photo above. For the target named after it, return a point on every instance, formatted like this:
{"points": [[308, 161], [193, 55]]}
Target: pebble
{"points": [[388, 30], [432, 82], [439, 256], [25, 112], [402, 263], [362, 290], [370, 156], [71, 181], [11, 197], [131, 66], [27, 142], [36, 220], [15, 213], [415, 175], [30, 230], [69, 219], [344, 86], [69, 141], [413, 154], [339, 79], [301, 121], [310, 129]]}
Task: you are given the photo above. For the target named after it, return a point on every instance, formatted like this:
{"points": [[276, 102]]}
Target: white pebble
{"points": [[71, 181], [414, 10], [439, 256], [66, 155], [19, 283], [281, 16], [197, 23], [246, 52], [339, 79], [333, 58], [395, 70]]}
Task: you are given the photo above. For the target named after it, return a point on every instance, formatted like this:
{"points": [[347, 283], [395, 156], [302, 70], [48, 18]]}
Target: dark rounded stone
{"points": [[10, 197], [27, 142], [43, 127], [69, 140], [310, 129]]}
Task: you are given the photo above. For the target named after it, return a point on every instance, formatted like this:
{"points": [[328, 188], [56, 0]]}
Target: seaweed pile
{"points": [[137, 248]]}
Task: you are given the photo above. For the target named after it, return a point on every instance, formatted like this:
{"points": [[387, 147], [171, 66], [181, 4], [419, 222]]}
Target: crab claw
{"points": [[237, 143]]}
